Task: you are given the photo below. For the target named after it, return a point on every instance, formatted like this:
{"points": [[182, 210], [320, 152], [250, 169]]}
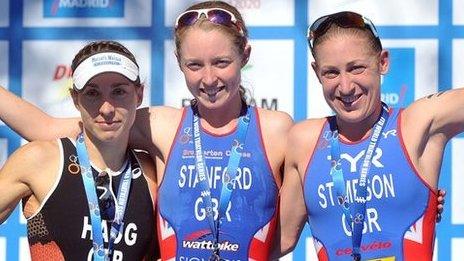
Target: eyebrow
{"points": [[114, 85], [120, 83]]}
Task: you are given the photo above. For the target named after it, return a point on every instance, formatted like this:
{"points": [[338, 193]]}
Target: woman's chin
{"points": [[352, 116]]}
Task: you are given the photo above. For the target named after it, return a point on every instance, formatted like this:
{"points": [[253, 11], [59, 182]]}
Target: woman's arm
{"points": [[301, 143], [31, 122], [28, 173], [426, 127]]}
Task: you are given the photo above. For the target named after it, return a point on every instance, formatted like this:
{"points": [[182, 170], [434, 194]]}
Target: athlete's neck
{"points": [[106, 155], [221, 120], [356, 131]]}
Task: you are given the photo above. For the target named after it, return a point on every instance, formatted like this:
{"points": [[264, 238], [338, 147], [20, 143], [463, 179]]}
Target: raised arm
{"points": [[32, 123], [440, 115], [154, 130], [426, 127], [446, 111]]}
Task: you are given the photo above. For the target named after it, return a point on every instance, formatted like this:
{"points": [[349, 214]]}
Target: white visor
{"points": [[104, 62]]}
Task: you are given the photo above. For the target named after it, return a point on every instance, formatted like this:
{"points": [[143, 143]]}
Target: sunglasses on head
{"points": [[344, 19], [214, 15]]}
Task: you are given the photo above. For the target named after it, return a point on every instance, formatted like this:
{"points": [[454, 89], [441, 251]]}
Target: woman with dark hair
{"points": [[88, 196]]}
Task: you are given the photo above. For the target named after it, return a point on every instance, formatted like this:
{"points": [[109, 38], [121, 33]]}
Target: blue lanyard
{"points": [[355, 222], [94, 209], [229, 176]]}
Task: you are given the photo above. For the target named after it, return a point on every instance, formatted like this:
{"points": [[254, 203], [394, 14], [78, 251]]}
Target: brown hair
{"points": [[101, 47], [239, 40], [335, 30]]}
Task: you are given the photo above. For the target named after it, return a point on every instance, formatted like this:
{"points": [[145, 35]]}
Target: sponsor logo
{"points": [[269, 104], [265, 103], [211, 154], [63, 79], [83, 8], [387, 133], [373, 246], [398, 85], [209, 245], [186, 137]]}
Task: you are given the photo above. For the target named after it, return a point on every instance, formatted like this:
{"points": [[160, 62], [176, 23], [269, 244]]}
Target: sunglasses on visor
{"points": [[214, 15], [344, 19]]}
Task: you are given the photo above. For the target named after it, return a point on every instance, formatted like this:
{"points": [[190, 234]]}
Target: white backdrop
{"points": [[38, 39]]}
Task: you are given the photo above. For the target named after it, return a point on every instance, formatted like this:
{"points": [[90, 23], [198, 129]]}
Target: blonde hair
{"points": [[240, 40]]}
